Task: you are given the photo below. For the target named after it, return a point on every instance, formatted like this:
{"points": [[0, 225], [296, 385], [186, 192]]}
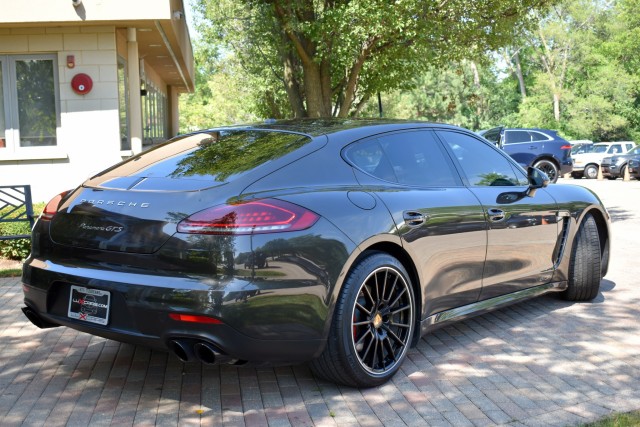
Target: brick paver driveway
{"points": [[541, 362]]}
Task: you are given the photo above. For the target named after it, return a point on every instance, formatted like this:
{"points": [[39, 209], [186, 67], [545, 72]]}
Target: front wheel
{"points": [[585, 265], [372, 325], [548, 167]]}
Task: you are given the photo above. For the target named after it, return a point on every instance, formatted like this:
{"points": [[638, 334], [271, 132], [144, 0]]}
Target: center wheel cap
{"points": [[377, 321]]}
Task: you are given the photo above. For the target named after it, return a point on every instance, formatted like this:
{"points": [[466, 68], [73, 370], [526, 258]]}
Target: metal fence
{"points": [[16, 206]]}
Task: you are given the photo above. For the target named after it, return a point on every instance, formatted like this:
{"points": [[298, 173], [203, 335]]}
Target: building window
{"points": [[154, 114], [29, 106], [123, 105]]}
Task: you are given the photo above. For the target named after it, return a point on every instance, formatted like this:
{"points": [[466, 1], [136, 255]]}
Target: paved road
{"points": [[542, 362]]}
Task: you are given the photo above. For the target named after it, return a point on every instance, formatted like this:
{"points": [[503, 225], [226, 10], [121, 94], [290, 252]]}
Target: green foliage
{"points": [[451, 94], [330, 58], [17, 249], [570, 66], [222, 95]]}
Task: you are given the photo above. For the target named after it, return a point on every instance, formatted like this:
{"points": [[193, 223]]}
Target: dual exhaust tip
{"points": [[190, 349], [187, 349]]}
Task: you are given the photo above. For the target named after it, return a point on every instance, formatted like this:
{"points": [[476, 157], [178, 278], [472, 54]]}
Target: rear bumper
{"points": [[566, 167], [139, 314], [275, 312]]}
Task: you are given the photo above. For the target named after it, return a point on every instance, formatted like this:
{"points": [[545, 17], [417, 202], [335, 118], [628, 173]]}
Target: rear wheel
{"points": [[372, 326], [585, 265], [548, 167], [591, 172]]}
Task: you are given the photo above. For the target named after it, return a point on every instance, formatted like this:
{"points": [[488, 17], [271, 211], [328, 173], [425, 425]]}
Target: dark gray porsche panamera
{"points": [[335, 242]]}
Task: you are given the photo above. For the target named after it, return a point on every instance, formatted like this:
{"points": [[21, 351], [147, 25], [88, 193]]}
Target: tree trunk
{"points": [[313, 90], [556, 106], [523, 90], [476, 83], [292, 88]]}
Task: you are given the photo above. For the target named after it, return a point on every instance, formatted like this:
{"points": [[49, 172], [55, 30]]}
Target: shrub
{"points": [[17, 249]]}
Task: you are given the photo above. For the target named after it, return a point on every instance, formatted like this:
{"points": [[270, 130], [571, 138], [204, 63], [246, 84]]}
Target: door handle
{"points": [[413, 218], [533, 147], [496, 215]]}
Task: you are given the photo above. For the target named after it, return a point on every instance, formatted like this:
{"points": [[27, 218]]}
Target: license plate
{"points": [[89, 305]]}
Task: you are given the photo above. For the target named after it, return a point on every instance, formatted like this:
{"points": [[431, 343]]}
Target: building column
{"points": [[174, 113], [135, 102]]}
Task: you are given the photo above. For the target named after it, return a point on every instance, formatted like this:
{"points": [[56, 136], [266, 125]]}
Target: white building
{"points": [[85, 84]]}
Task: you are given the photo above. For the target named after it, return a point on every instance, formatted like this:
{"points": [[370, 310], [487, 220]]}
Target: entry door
{"points": [[522, 231]]}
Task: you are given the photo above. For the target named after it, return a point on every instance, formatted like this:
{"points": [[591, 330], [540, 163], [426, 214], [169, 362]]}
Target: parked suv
{"points": [[540, 148], [587, 164], [634, 168], [613, 167]]}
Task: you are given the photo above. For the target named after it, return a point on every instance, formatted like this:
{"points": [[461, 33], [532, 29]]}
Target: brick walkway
{"points": [[542, 362]]}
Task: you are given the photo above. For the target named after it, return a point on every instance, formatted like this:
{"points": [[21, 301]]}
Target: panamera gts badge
{"points": [[116, 203], [110, 228]]}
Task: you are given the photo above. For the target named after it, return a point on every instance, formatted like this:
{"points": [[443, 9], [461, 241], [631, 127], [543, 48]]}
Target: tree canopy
{"points": [[328, 58], [568, 65]]}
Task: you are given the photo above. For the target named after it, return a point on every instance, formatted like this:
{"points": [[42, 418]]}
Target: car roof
{"points": [[318, 127]]}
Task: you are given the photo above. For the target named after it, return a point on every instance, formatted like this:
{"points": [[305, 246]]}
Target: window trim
{"points": [[12, 150]]}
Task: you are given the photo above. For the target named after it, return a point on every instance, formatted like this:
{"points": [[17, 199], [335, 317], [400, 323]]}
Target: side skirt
{"points": [[438, 320]]}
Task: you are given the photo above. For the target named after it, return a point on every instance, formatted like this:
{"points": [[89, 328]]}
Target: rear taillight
{"points": [[52, 207], [566, 147], [264, 216]]}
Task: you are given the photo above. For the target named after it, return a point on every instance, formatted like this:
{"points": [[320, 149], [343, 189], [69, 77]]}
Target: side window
{"points": [[614, 149], [515, 136], [411, 158], [493, 136], [629, 146], [537, 136], [482, 164]]}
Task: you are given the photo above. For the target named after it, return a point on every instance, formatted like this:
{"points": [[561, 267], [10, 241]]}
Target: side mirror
{"points": [[537, 179]]}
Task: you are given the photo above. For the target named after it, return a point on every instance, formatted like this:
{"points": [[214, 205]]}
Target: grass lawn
{"points": [[629, 419]]}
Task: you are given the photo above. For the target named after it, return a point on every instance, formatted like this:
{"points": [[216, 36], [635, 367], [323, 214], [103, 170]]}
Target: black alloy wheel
{"points": [[548, 167], [373, 324], [382, 320]]}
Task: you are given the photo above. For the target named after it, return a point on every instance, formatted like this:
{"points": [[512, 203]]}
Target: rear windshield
{"points": [[215, 155]]}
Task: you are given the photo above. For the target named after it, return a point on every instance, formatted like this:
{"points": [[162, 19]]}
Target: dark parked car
{"points": [[614, 166], [634, 168], [378, 231], [541, 148]]}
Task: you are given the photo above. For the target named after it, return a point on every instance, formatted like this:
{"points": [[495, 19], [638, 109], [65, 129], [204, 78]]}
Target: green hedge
{"points": [[17, 249]]}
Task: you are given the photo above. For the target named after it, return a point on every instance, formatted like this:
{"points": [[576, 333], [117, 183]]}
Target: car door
{"points": [[440, 222], [523, 231], [520, 145]]}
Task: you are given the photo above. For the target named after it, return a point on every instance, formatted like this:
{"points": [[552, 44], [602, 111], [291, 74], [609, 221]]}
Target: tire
{"points": [[548, 167], [576, 175], [623, 169], [372, 326], [585, 265], [591, 172]]}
